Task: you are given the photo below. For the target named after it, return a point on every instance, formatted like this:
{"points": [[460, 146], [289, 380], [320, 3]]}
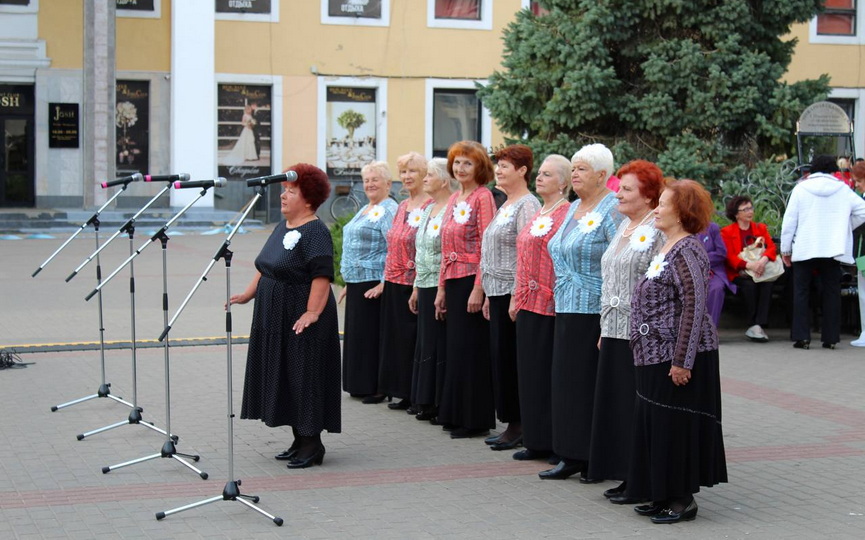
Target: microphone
{"points": [[183, 177], [123, 180], [289, 176], [219, 182]]}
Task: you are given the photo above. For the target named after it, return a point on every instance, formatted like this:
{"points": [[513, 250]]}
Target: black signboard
{"points": [[63, 122], [243, 6], [136, 5], [368, 9], [14, 2], [132, 121], [16, 99]]}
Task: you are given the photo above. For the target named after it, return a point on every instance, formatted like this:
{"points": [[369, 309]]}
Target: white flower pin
{"points": [[656, 266], [375, 213], [290, 239], [541, 226], [642, 238], [590, 222], [433, 228], [414, 218], [462, 213], [506, 214]]}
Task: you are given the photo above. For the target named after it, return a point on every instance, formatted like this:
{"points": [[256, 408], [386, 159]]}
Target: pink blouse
{"points": [[462, 229], [535, 274], [399, 263]]}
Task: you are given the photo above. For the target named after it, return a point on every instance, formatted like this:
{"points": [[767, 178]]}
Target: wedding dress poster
{"points": [[351, 130], [132, 122], [243, 130]]}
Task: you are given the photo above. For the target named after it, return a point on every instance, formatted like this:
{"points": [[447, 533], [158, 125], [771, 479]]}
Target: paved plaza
{"points": [[794, 425]]}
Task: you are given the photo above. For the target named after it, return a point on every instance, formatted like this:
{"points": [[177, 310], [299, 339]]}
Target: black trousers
{"points": [[757, 297], [828, 274]]}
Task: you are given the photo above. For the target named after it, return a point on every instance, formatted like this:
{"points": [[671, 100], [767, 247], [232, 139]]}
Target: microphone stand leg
{"points": [[231, 492], [168, 451]]}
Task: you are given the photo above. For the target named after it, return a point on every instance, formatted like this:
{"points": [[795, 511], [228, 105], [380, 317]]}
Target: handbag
{"points": [[860, 259], [773, 269]]}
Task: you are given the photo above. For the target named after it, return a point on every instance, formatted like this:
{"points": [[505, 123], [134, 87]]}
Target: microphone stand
{"points": [[231, 491], [104, 390], [169, 449]]}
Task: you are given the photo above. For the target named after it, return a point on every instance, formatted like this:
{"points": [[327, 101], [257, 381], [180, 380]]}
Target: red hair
{"points": [[478, 154], [519, 155], [651, 179], [312, 182], [693, 204]]}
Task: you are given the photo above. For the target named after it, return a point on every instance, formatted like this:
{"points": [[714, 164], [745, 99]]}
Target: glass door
{"points": [[16, 162]]}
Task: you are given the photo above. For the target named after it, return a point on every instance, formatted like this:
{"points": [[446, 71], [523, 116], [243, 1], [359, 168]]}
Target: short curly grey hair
{"points": [[598, 156]]}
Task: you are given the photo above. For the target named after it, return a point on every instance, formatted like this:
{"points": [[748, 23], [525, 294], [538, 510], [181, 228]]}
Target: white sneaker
{"points": [[859, 342], [756, 333]]}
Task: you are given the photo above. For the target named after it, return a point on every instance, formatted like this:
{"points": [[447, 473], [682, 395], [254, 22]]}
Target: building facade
{"points": [[93, 89]]}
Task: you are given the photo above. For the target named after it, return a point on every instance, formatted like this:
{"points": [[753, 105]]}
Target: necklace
{"points": [[630, 230], [590, 208], [553, 207]]}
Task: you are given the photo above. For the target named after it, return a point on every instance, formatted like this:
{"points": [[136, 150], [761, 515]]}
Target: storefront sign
{"points": [[63, 122], [351, 130], [132, 121], [16, 99], [369, 9], [135, 5], [243, 6]]}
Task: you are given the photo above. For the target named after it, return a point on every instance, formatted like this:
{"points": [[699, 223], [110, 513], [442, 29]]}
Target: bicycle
{"points": [[348, 200]]}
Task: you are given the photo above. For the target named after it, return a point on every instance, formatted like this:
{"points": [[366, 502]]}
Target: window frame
{"points": [[485, 120], [384, 21], [485, 22], [380, 85], [858, 38], [858, 97]]}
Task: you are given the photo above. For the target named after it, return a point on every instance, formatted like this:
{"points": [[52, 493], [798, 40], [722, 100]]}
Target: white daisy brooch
{"points": [[375, 213], [433, 228], [541, 226], [590, 222], [506, 214], [642, 238], [462, 213], [290, 239], [656, 266], [414, 218]]}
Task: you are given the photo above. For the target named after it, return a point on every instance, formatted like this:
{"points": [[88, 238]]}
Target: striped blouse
{"points": [[535, 276], [462, 229], [499, 247], [622, 265], [576, 251], [364, 243], [428, 257], [399, 265]]}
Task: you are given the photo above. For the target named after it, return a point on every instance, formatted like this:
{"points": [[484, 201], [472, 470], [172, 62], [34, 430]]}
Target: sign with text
{"points": [[243, 6], [63, 122], [243, 130], [368, 9], [351, 130], [16, 99], [136, 5]]}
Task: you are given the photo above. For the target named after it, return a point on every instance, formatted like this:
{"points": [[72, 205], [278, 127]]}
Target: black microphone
{"points": [[219, 182], [123, 180], [289, 176], [183, 177]]}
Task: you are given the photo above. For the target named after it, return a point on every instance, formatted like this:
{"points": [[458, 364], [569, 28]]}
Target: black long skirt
{"points": [[575, 366], [613, 416], [467, 394], [360, 347], [534, 366], [503, 354], [397, 341], [429, 353], [678, 444]]}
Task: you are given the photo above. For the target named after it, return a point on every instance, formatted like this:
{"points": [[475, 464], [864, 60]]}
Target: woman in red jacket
{"points": [[743, 232]]}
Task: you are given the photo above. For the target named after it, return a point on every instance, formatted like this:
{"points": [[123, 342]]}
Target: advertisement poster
{"points": [[132, 122], [350, 131], [368, 9], [63, 122], [243, 6], [135, 5], [243, 130]]}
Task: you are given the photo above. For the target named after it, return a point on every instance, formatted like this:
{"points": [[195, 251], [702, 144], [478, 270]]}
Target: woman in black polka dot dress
{"points": [[293, 361]]}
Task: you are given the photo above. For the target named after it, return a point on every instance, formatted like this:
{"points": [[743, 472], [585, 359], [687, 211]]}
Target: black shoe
{"points": [[624, 499], [802, 344], [373, 399], [553, 459], [315, 459], [666, 515], [427, 414], [616, 491], [584, 480], [565, 469], [527, 454], [466, 433], [400, 405], [412, 410], [651, 509], [507, 445], [493, 439], [828, 345], [288, 454]]}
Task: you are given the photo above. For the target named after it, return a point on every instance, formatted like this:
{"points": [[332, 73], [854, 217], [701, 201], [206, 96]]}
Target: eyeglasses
{"points": [[746, 209]]}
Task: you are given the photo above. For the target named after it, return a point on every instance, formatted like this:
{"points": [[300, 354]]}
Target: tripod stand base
{"points": [[104, 391], [231, 492], [135, 418], [168, 451]]}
